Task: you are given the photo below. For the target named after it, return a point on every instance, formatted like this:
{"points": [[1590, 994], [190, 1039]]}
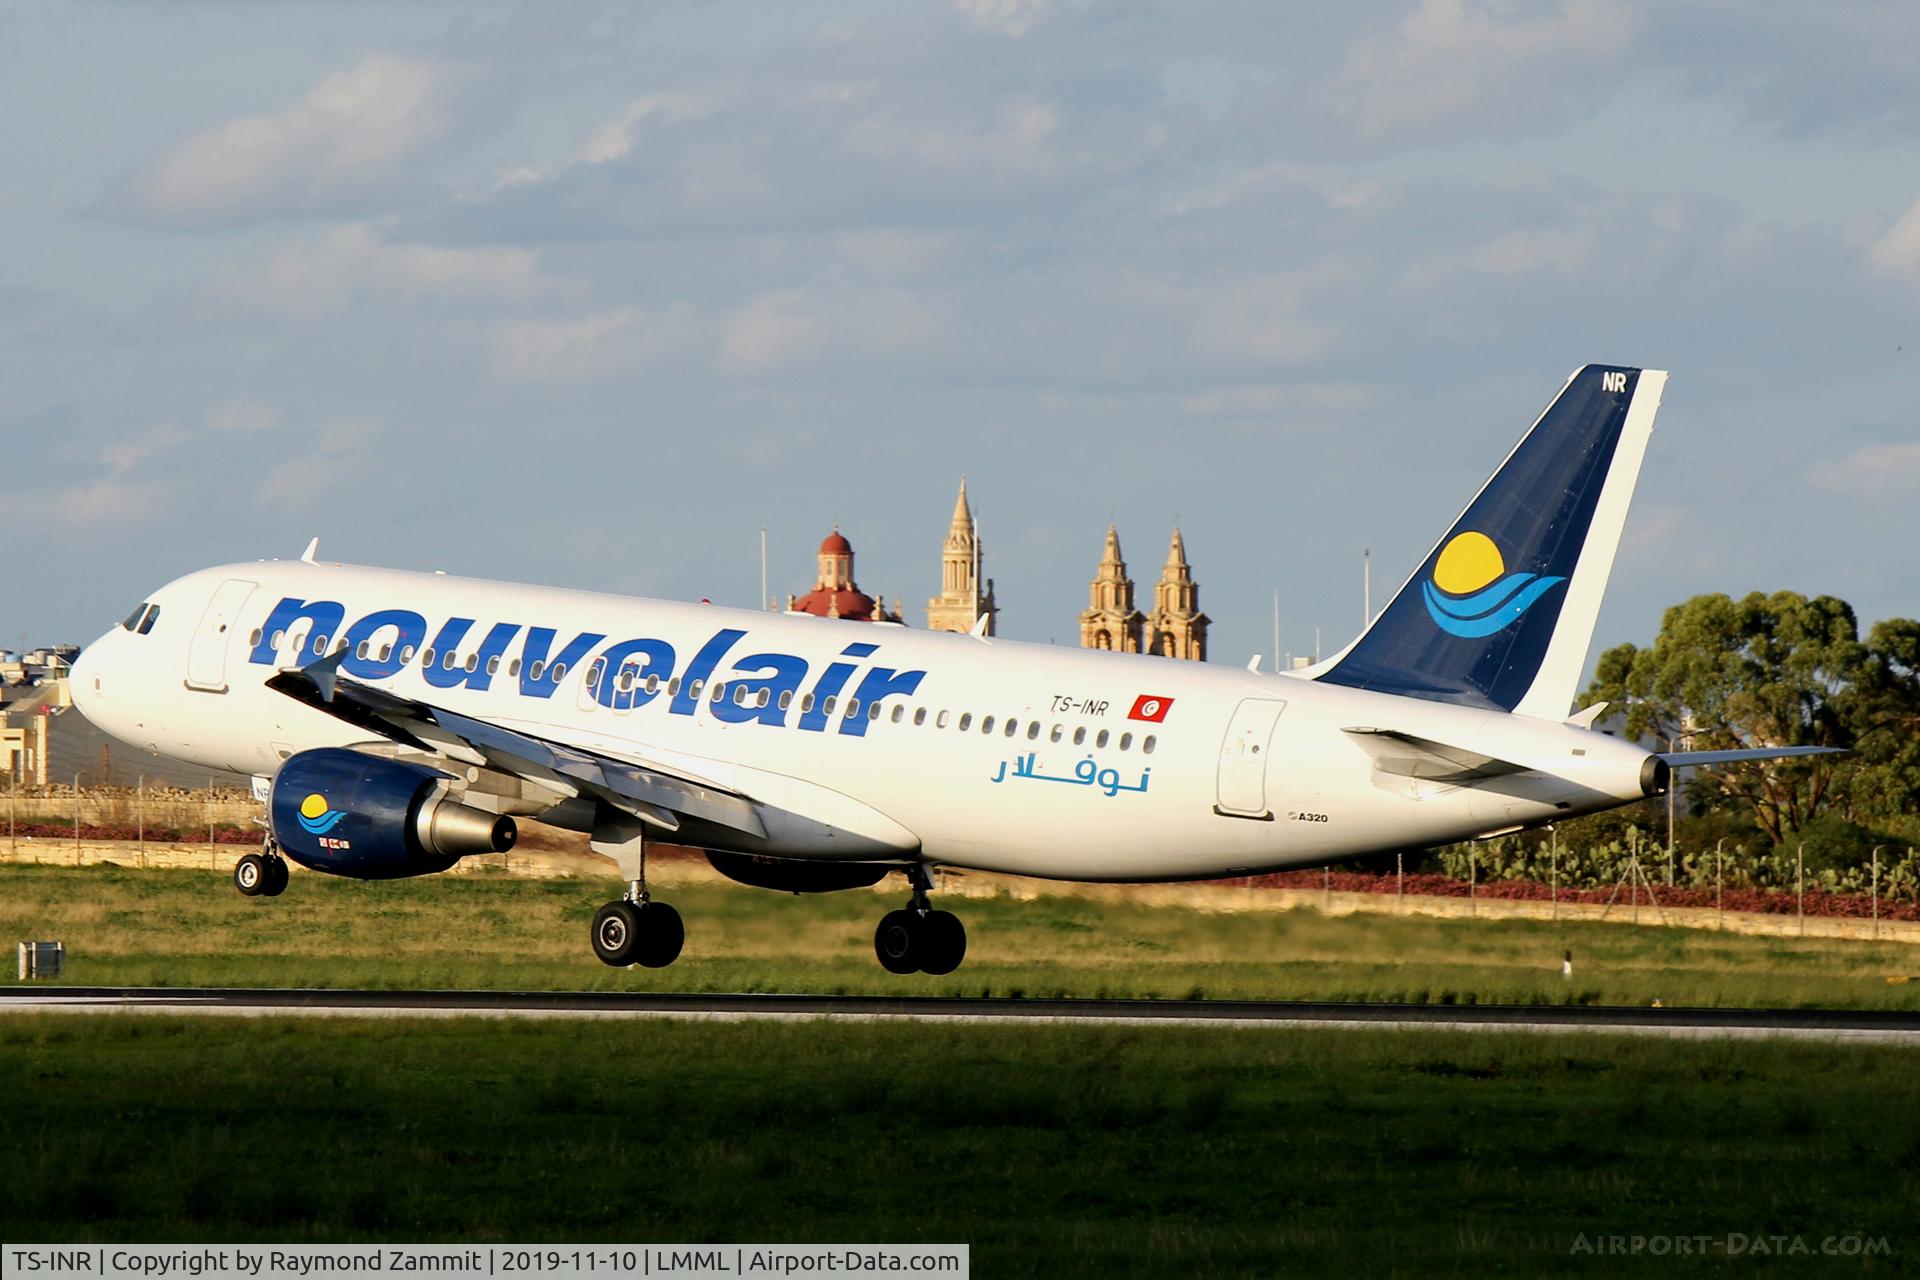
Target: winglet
{"points": [[313, 549], [979, 628]]}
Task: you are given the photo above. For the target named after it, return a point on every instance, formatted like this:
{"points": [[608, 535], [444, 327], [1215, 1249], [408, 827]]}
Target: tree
{"points": [[1767, 670]]}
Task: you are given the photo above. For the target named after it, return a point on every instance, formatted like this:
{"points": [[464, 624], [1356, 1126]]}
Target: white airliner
{"points": [[397, 721]]}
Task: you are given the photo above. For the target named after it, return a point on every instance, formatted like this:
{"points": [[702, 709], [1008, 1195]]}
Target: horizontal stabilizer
{"points": [[1684, 759], [1407, 756]]}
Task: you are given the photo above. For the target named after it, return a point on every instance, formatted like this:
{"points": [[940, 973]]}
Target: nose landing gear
{"points": [[919, 939]]}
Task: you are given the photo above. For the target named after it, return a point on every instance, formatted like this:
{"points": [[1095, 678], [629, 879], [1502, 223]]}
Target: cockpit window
{"points": [[146, 623], [141, 619], [133, 619]]}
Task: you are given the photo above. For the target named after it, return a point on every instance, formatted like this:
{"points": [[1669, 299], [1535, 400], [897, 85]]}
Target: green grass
{"points": [[1051, 1150], [185, 928], [192, 929]]}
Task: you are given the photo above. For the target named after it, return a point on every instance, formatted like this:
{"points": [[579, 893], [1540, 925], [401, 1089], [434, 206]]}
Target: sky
{"points": [[589, 294]]}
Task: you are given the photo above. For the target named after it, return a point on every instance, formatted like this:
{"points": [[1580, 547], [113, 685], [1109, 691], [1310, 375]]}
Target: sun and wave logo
{"points": [[1472, 594], [316, 818]]}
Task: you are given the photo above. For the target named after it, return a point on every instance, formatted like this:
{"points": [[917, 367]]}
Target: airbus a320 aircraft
{"points": [[397, 721]]}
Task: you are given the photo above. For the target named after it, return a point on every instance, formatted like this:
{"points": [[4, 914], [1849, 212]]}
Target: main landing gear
{"points": [[638, 930], [919, 939], [262, 874]]}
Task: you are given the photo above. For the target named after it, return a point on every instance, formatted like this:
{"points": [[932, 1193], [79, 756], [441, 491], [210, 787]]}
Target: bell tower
{"points": [[1176, 628], [1111, 621], [961, 599]]}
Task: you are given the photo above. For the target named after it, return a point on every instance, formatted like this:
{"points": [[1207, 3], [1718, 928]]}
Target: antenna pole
{"points": [[1366, 587]]}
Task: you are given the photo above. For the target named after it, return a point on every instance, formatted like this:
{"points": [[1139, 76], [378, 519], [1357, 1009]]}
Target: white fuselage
{"points": [[1002, 756]]}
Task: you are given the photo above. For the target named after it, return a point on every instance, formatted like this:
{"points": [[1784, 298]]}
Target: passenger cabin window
{"points": [[786, 699], [873, 710], [1033, 731], [899, 712], [940, 722], [1101, 740], [853, 707], [1146, 744], [473, 662], [1058, 730], [559, 672], [1013, 726], [919, 715], [533, 672], [1126, 741], [513, 668], [986, 725], [966, 721], [319, 645], [426, 656], [1079, 735]]}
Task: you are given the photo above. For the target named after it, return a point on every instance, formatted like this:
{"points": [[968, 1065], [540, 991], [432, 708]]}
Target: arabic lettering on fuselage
{"points": [[633, 672], [1085, 774]]}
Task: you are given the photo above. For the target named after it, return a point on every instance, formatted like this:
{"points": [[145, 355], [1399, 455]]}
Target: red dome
{"points": [[855, 606], [835, 545]]}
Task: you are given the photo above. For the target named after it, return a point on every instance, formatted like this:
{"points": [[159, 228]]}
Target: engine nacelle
{"points": [[357, 815], [796, 875]]}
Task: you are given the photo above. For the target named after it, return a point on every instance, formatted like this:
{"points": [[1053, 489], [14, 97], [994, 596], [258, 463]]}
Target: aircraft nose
{"points": [[86, 678]]}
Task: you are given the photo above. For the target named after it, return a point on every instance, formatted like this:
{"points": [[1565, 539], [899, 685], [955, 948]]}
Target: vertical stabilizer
{"points": [[1501, 612]]}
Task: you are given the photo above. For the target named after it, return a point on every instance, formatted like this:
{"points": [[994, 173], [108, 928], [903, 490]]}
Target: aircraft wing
{"points": [[656, 796], [1408, 756]]}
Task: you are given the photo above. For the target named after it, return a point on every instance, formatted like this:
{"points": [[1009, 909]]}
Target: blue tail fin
{"points": [[1501, 612]]}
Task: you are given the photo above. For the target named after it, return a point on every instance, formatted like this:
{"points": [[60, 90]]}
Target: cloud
{"points": [[1007, 17], [327, 462], [601, 344], [315, 274], [350, 135], [1898, 249], [1871, 471], [1452, 62]]}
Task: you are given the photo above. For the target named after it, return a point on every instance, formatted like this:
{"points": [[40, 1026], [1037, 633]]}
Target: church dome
{"points": [[836, 545]]}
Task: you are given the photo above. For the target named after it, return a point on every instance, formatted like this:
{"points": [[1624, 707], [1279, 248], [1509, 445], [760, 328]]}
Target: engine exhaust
{"points": [[455, 830]]}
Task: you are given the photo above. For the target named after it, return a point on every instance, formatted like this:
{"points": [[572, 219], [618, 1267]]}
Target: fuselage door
{"points": [[1243, 758], [207, 656]]}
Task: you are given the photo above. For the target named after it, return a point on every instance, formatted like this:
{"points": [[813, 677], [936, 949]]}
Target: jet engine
{"points": [[796, 875], [350, 814]]}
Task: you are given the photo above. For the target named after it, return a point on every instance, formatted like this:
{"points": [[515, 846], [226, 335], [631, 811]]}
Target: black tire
{"points": [[943, 942], [661, 936], [897, 942], [250, 875], [277, 877], [616, 933]]}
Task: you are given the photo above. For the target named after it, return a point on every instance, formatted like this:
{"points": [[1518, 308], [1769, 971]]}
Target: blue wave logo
{"points": [[1472, 595], [317, 817]]}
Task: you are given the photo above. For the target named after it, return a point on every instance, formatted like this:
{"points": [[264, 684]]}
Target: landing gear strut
{"points": [[919, 939], [636, 929], [262, 874]]}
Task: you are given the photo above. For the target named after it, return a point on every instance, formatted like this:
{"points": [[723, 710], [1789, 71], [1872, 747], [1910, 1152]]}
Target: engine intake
{"points": [[357, 815]]}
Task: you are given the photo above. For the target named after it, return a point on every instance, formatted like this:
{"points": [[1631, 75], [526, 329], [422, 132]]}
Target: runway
{"points": [[1823, 1024]]}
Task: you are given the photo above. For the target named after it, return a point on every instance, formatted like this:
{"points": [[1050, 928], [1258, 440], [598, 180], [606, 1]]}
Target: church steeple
{"points": [[1111, 621], [1176, 628], [962, 597]]}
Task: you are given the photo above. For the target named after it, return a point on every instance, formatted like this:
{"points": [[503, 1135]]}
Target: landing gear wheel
{"points": [[250, 875], [942, 943], [643, 933], [661, 935], [897, 942], [276, 883], [616, 933]]}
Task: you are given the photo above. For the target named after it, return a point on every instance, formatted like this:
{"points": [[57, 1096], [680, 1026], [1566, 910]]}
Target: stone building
{"points": [[961, 600], [835, 594], [1175, 629]]}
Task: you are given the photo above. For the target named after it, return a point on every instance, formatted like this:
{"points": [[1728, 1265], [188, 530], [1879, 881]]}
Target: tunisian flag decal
{"points": [[1149, 707]]}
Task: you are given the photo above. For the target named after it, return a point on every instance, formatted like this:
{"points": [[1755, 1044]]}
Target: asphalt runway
{"points": [[1823, 1024]]}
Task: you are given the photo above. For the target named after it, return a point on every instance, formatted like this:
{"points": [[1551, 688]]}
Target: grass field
{"points": [[183, 928], [1051, 1150]]}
